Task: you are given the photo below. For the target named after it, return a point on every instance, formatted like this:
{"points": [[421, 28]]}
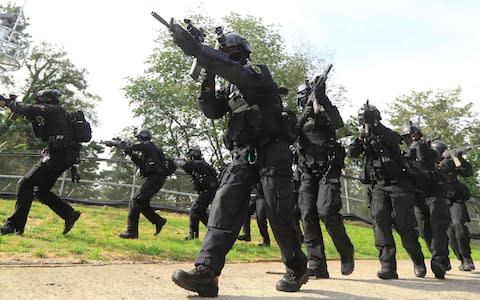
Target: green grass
{"points": [[95, 238]]}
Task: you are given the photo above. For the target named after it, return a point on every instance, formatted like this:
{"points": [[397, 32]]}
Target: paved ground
{"points": [[61, 280]]}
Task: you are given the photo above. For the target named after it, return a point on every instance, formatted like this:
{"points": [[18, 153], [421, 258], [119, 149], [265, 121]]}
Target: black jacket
{"points": [[148, 158]]}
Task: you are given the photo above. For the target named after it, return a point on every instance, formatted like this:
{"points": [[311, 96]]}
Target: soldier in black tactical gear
{"points": [[260, 152], [153, 166], [457, 193], [392, 192], [257, 206], [431, 208], [204, 178], [320, 160], [51, 124]]}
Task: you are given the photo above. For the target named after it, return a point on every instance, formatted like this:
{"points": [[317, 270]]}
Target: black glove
{"points": [[74, 174], [208, 83], [189, 45]]}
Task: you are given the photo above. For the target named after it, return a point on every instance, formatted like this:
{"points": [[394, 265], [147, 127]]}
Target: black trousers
{"points": [[321, 201], [140, 203], [257, 206], [230, 207], [392, 205], [198, 211], [39, 180], [458, 233], [433, 220]]}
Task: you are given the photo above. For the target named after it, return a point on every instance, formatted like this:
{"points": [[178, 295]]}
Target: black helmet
{"points": [[143, 135], [303, 91], [194, 153], [368, 114], [412, 130], [233, 39], [439, 146], [47, 96]]}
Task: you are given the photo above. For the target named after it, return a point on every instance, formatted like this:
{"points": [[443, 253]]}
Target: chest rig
{"points": [[245, 123]]}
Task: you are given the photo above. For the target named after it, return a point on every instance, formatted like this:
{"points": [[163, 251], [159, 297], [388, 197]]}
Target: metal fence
{"points": [[102, 185]]}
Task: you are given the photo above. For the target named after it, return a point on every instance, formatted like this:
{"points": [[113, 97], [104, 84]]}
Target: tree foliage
{"points": [[442, 114], [48, 67]]}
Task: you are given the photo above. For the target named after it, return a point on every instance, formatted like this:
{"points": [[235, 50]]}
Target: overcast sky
{"points": [[381, 49]]}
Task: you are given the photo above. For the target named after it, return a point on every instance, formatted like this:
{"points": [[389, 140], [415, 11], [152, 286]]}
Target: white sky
{"points": [[382, 49]]}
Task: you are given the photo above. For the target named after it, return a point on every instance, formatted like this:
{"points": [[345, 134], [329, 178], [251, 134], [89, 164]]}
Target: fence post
{"points": [[62, 184], [347, 200]]}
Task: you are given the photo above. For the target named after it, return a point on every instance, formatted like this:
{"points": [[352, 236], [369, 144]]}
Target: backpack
{"points": [[82, 131]]}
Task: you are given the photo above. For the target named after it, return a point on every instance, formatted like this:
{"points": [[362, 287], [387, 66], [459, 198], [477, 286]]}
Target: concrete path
{"points": [[31, 280]]}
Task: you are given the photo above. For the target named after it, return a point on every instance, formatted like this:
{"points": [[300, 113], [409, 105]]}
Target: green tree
{"points": [[442, 114], [48, 67]]}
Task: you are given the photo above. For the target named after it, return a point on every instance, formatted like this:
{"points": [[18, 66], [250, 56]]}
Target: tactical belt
{"points": [[267, 141], [275, 172], [54, 138], [330, 180], [387, 181]]}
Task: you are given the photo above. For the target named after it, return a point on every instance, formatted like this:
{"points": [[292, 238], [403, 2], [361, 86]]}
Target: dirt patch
{"points": [[37, 279]]}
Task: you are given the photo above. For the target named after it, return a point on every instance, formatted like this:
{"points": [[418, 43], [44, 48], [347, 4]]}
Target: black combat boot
{"points": [[318, 273], [420, 270], [291, 282], [448, 265], [438, 269], [466, 265], [128, 235], [244, 237], [264, 244], [387, 273], [159, 225], [201, 280], [69, 222], [7, 229], [192, 236], [467, 261], [347, 265]]}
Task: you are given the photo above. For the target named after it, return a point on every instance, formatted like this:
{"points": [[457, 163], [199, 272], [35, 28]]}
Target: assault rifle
{"points": [[459, 151], [117, 143], [197, 33], [318, 81]]}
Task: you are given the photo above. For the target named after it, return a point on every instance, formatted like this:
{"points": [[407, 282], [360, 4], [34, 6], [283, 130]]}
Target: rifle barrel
{"points": [[160, 19]]}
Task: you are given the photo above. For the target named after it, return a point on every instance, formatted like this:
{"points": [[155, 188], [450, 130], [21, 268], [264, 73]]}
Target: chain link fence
{"points": [[114, 182]]}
